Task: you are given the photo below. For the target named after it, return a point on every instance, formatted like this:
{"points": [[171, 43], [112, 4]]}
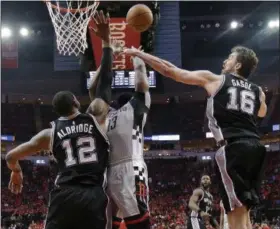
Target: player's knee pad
{"points": [[141, 221]]}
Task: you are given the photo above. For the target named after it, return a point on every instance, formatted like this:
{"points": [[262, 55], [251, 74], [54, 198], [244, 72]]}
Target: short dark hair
{"points": [[123, 99], [63, 103], [248, 58]]}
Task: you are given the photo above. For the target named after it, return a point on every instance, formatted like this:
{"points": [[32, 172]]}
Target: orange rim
{"points": [[65, 10]]}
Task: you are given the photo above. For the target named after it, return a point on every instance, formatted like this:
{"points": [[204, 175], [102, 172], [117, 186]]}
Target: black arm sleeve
{"points": [[103, 89], [138, 102]]}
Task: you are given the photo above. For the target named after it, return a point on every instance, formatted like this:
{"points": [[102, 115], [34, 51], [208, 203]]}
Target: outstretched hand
{"points": [[102, 26], [131, 51], [135, 59], [117, 47]]}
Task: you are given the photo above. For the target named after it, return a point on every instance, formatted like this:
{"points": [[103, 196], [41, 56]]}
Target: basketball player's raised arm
{"points": [[141, 79], [93, 84], [94, 80], [196, 196], [100, 105], [263, 107], [100, 87], [199, 78], [141, 101]]}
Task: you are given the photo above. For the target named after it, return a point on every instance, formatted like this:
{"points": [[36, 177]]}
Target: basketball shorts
{"points": [[195, 223], [239, 169], [72, 207], [128, 188]]}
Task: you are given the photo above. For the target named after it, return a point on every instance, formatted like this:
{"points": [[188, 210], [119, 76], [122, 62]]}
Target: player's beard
{"points": [[205, 186]]}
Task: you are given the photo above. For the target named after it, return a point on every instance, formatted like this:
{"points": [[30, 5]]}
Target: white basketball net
{"points": [[71, 26]]}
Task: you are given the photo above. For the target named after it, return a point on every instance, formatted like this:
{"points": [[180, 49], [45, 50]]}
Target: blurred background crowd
{"points": [[171, 184]]}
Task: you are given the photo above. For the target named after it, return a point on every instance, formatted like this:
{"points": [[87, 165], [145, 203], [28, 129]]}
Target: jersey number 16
{"points": [[247, 100]]}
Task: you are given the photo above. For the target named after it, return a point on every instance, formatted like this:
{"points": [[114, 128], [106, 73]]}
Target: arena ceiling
{"points": [[199, 45]]}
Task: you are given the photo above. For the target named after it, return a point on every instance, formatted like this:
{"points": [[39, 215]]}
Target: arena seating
{"points": [[18, 120], [171, 181], [276, 113], [186, 119], [171, 184], [47, 115]]}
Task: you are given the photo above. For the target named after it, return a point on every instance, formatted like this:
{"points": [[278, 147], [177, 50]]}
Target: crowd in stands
{"points": [[171, 180], [186, 119], [171, 184], [271, 183]]}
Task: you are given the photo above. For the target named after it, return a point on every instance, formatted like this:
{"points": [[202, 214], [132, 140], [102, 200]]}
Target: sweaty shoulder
{"points": [[43, 139], [198, 192], [214, 84], [45, 134]]}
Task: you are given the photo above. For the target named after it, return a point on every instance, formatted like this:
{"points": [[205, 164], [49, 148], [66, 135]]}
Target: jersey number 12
{"points": [[247, 100], [86, 151]]}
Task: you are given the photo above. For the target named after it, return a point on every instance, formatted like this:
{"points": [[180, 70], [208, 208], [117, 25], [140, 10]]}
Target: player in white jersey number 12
{"points": [[127, 173]]}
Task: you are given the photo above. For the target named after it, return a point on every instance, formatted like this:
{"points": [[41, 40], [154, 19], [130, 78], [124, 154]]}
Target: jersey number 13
{"points": [[86, 151], [247, 100]]}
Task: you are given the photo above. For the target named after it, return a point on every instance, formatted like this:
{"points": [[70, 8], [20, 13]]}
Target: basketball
{"points": [[139, 17]]}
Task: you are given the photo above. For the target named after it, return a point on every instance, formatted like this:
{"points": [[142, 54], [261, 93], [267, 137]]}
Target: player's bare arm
{"points": [[39, 142], [100, 105], [93, 84], [263, 107], [193, 202], [142, 99], [196, 196], [201, 78], [141, 80]]}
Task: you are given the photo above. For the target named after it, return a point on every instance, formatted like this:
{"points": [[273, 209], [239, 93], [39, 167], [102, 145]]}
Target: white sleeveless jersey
{"points": [[125, 129]]}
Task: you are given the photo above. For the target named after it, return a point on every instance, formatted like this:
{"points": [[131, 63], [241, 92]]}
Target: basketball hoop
{"points": [[70, 24]]}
